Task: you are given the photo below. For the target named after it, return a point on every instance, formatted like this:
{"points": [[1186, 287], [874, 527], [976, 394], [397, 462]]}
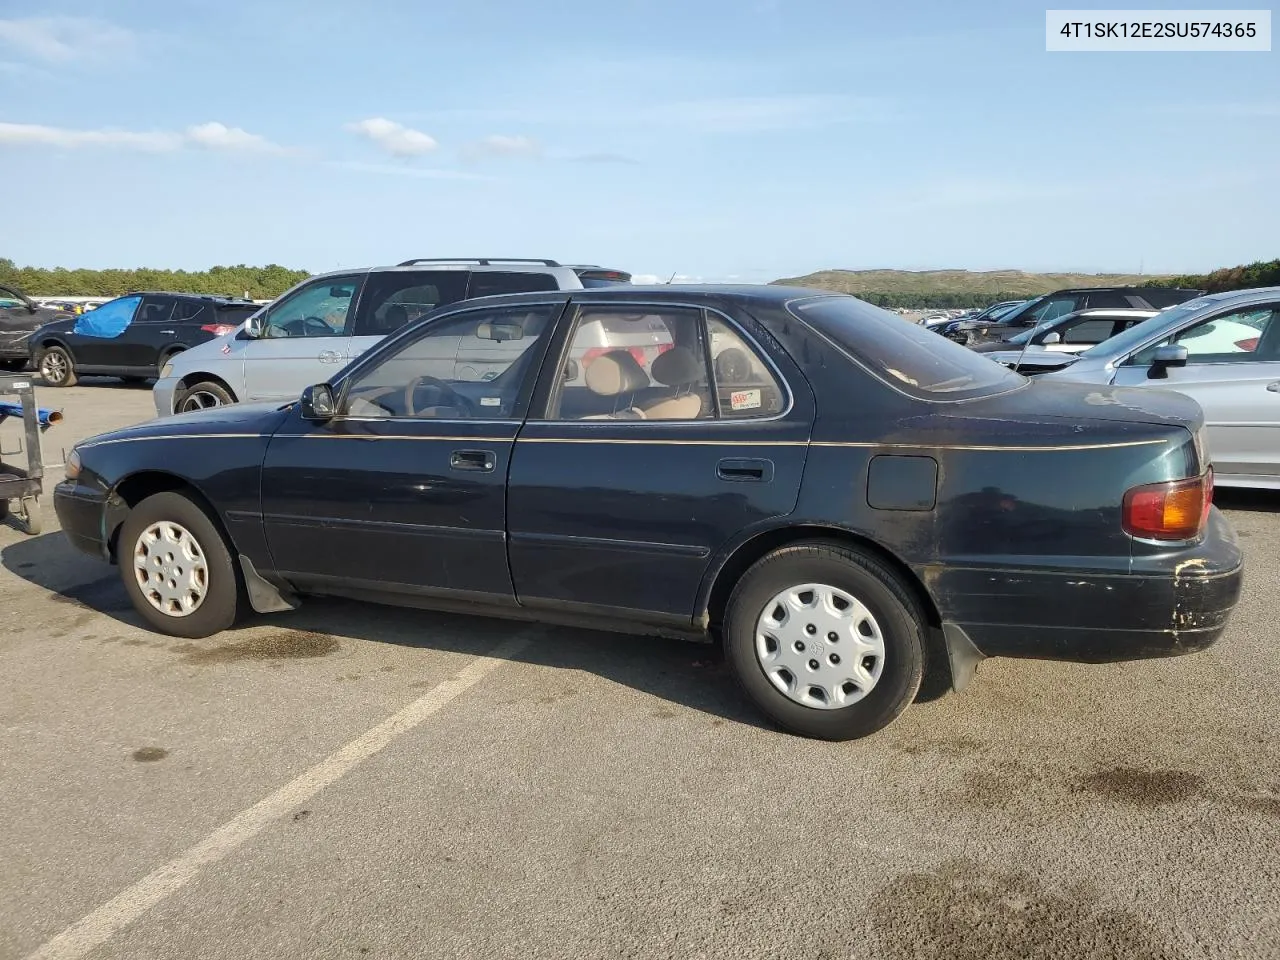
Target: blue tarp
{"points": [[8, 410], [109, 320]]}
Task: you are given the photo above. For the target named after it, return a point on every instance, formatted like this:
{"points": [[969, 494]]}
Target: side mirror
{"points": [[317, 403], [1169, 355], [571, 370], [1051, 338], [252, 329]]}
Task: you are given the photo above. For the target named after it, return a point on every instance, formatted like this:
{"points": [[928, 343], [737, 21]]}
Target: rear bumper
{"points": [[80, 513], [1163, 606]]}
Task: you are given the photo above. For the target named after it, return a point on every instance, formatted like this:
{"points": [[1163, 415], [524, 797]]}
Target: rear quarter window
{"points": [[902, 354]]}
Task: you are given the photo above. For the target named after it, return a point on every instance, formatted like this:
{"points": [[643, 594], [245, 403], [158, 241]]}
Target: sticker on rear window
{"points": [[490, 401], [744, 399]]}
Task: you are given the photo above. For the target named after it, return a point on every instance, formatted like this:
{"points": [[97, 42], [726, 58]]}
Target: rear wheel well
{"points": [[170, 353], [937, 663], [132, 490]]}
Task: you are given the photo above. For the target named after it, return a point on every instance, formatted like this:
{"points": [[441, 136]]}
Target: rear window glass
{"points": [[905, 355], [236, 314], [485, 283]]}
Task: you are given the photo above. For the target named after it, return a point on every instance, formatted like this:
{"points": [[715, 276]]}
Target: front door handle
{"points": [[760, 471], [1274, 387], [328, 356], [482, 460]]}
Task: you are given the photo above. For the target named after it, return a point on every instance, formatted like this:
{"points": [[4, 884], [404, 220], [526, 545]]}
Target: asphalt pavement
{"points": [[359, 781]]}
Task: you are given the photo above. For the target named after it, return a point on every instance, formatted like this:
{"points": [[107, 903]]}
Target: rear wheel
{"points": [[826, 640], [57, 369], [176, 567], [202, 396]]}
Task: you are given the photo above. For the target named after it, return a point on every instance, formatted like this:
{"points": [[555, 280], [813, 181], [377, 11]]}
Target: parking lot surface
{"points": [[358, 781]]}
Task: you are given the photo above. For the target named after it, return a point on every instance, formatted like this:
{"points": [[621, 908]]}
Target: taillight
{"points": [[218, 329], [1176, 510]]}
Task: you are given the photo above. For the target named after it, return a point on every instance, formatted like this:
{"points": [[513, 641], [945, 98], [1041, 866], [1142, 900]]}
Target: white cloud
{"points": [[395, 138], [502, 145], [66, 39], [212, 135], [218, 136], [31, 134]]}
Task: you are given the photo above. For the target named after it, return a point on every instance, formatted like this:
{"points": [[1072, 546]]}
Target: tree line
{"points": [[1261, 273], [260, 283]]}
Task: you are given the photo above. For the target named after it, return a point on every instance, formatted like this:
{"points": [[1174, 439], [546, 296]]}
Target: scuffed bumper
{"points": [[1161, 606]]}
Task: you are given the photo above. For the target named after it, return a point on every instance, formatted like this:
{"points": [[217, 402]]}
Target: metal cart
{"points": [[23, 484]]}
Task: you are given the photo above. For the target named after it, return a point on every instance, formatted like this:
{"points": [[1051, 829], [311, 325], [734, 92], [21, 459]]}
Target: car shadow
{"points": [[686, 673]]}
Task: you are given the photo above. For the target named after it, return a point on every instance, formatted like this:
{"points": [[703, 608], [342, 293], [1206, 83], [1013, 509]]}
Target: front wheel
{"points": [[57, 369], [176, 567], [202, 396], [825, 640]]}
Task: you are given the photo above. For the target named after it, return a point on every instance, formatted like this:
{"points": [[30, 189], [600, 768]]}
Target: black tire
{"points": [[203, 389], [56, 367], [221, 604], [896, 610]]}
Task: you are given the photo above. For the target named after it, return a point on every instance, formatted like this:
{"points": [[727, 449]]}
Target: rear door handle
{"points": [[760, 471], [482, 460], [168, 333], [1274, 387]]}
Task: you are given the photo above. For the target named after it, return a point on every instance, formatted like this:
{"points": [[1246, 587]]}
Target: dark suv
{"points": [[132, 336], [20, 317], [1061, 302]]}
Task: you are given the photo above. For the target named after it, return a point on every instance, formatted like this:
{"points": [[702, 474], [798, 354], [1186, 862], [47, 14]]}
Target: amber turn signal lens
{"points": [[1177, 510]]}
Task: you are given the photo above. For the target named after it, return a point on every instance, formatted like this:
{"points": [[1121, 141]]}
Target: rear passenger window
{"points": [[485, 283], [187, 311], [1089, 331], [394, 298], [744, 385], [635, 363]]}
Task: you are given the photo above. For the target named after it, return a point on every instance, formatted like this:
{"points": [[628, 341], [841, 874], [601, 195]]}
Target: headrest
{"points": [[614, 373], [394, 317], [678, 367]]}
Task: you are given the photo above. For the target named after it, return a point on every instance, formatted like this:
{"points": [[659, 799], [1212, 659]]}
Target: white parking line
{"points": [[128, 905]]}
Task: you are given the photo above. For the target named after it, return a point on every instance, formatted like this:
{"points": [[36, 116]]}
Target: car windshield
{"points": [[903, 354], [1122, 343]]}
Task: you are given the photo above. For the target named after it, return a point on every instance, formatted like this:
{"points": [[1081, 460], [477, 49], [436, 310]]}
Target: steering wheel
{"points": [[315, 323], [449, 396]]}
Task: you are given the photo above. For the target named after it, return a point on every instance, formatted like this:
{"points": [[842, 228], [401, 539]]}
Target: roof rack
{"points": [[483, 261]]}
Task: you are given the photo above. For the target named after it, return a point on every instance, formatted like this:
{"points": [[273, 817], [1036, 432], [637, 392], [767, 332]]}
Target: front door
{"points": [[1233, 372], [404, 491], [303, 339], [638, 465]]}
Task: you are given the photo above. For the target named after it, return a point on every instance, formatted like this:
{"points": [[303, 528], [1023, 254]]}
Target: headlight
{"points": [[72, 465], [164, 371]]}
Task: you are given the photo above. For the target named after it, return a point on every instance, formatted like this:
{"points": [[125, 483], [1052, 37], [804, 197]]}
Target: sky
{"points": [[703, 139]]}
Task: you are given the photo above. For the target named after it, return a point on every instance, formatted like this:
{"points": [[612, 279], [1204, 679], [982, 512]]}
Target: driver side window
{"points": [[470, 366], [318, 310], [1240, 336]]}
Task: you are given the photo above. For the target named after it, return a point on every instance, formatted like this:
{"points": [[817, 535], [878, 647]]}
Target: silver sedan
{"points": [[1222, 350]]}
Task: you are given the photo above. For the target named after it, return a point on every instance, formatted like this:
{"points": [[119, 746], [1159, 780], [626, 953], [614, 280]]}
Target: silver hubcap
{"points": [[54, 367], [171, 569], [200, 400], [820, 646]]}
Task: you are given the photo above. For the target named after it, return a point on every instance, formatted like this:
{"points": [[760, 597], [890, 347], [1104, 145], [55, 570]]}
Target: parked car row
{"points": [[1222, 350]]}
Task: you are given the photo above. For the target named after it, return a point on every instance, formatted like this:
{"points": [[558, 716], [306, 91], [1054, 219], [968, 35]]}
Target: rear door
{"points": [[633, 471], [395, 298], [1233, 372], [152, 332], [303, 339]]}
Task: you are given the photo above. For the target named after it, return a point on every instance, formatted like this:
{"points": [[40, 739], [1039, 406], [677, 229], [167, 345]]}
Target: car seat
{"points": [[680, 370], [617, 375]]}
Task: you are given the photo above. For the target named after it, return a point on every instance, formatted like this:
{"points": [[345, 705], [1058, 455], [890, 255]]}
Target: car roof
{"points": [[208, 297]]}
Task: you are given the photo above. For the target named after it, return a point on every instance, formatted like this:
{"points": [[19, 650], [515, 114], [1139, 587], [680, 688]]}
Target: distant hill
{"points": [[955, 288]]}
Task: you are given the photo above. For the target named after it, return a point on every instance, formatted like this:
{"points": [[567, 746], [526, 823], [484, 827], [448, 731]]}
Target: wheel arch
{"points": [[191, 379], [130, 490]]}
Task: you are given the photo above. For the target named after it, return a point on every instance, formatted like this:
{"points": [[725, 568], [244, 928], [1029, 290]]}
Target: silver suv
{"points": [[316, 328]]}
